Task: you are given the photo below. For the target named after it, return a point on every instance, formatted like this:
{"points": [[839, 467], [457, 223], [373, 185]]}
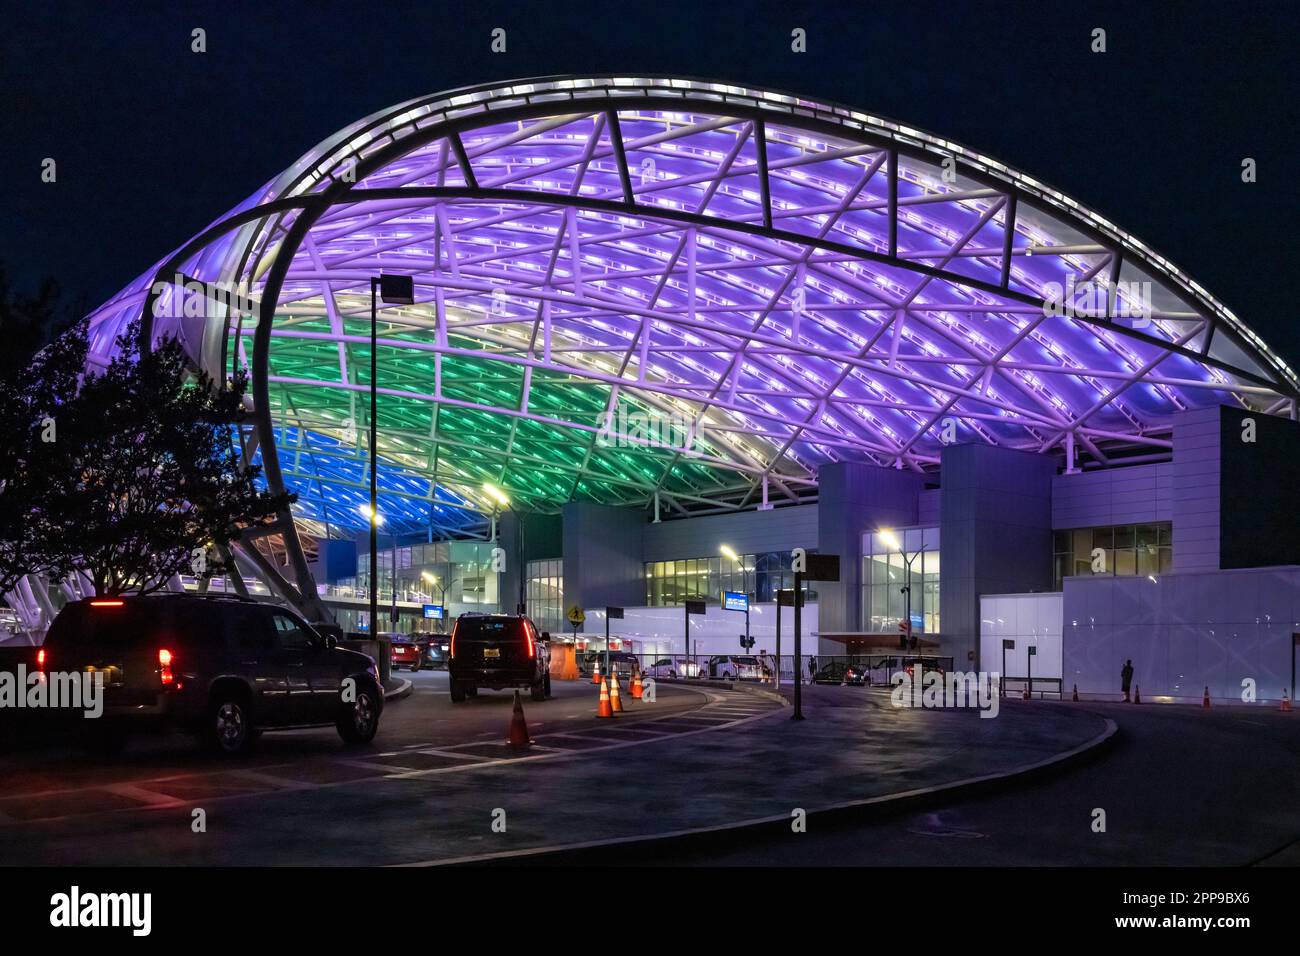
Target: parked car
{"points": [[838, 672], [497, 651], [435, 651], [221, 667], [407, 651], [926, 667], [727, 667], [620, 662], [681, 667]]}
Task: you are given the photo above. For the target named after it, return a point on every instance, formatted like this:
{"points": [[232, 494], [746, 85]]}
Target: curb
{"points": [[763, 692], [403, 689], [857, 811], [748, 687]]}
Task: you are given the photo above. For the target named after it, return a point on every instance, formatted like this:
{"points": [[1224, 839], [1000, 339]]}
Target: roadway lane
{"points": [[39, 780], [1180, 787], [420, 793]]}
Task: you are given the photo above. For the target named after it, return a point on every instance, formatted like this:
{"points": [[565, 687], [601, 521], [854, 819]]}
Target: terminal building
{"points": [[666, 331]]}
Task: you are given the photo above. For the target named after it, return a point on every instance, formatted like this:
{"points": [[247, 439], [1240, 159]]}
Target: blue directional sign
{"points": [[735, 601]]}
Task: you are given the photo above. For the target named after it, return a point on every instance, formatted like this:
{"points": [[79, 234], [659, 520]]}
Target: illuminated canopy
{"points": [[639, 289]]}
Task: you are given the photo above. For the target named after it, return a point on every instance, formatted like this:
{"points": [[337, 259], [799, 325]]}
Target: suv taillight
{"points": [[528, 636], [165, 665], [40, 660], [451, 651]]}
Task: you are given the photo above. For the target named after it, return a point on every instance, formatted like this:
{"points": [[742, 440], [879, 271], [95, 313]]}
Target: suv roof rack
{"points": [[205, 595]]}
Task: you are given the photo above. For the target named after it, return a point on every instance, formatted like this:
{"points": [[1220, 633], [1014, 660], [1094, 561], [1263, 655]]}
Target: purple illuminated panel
{"points": [[671, 293]]}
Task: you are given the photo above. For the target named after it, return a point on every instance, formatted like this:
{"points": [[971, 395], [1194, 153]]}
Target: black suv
{"points": [[497, 651], [220, 667]]}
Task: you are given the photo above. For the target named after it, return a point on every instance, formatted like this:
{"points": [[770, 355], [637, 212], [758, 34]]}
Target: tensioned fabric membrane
{"points": [[671, 291]]}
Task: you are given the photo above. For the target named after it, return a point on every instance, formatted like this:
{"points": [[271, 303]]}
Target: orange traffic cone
{"points": [[518, 726], [1075, 697], [637, 686], [1137, 693], [614, 700], [595, 673], [1205, 701], [605, 709], [1286, 702]]}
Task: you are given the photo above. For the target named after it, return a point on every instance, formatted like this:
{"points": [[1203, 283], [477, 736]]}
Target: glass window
{"points": [[289, 634], [1140, 549], [886, 572]]}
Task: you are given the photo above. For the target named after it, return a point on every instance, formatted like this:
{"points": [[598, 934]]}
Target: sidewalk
{"points": [[853, 748]]}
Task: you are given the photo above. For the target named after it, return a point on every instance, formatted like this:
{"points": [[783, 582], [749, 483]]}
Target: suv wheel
{"points": [[547, 681], [457, 691], [229, 727], [358, 721], [539, 689], [416, 666]]}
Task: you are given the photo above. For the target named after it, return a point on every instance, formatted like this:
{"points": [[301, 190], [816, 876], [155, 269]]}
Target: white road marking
{"points": [[384, 771], [140, 793]]}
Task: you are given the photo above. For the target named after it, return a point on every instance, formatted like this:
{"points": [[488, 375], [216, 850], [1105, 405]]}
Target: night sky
{"points": [[153, 142]]}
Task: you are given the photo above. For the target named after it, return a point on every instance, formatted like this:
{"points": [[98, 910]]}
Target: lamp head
{"points": [[496, 494]]}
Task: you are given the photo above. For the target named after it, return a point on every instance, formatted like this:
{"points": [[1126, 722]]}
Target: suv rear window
{"points": [[130, 624], [485, 629], [84, 625]]}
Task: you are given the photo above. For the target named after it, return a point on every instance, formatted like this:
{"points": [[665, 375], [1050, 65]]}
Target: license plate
{"points": [[491, 652]]}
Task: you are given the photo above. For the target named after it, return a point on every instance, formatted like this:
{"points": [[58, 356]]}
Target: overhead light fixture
{"points": [[396, 289], [496, 494]]}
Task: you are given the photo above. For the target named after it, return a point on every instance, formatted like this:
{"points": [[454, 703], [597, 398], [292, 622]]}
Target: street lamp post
{"points": [[392, 614], [376, 519], [432, 579], [727, 552], [399, 290], [499, 500], [892, 541]]}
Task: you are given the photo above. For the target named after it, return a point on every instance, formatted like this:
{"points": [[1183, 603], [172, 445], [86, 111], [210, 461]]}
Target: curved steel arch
{"points": [[823, 200]]}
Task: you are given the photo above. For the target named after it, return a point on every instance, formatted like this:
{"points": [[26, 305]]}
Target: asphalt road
{"points": [[39, 783], [1179, 787]]}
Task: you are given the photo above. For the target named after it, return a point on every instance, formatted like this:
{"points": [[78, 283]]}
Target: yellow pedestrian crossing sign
{"points": [[576, 615]]}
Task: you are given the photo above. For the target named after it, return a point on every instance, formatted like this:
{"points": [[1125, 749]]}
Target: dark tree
{"points": [[38, 381], [30, 322], [146, 474]]}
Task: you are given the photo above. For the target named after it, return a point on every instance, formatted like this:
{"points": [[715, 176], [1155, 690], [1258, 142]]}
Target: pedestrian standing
{"points": [[1126, 678], [812, 668]]}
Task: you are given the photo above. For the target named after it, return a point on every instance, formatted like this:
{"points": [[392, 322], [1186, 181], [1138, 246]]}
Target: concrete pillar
{"points": [[602, 555], [852, 498], [995, 507], [524, 537], [508, 540], [1195, 504]]}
